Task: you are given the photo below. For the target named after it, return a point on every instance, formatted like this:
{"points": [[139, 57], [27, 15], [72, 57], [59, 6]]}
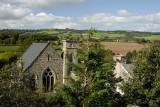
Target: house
{"points": [[47, 66], [123, 70]]}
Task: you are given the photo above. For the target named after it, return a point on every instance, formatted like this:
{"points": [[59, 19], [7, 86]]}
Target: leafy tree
{"points": [[144, 88], [19, 41], [91, 33], [26, 43], [54, 99], [129, 55], [16, 88], [1, 41], [12, 40], [95, 82], [134, 53], [8, 58]]}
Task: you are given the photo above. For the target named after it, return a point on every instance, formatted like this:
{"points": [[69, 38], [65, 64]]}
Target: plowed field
{"points": [[122, 48]]}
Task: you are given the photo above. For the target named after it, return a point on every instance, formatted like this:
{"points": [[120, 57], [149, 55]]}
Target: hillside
{"points": [[122, 35]]}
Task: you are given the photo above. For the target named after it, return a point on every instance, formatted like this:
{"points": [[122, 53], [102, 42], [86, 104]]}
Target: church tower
{"points": [[69, 55]]}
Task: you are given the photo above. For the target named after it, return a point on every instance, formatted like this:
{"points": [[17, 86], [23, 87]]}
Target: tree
{"points": [[95, 82], [12, 40], [26, 43], [134, 53], [91, 32], [129, 55], [8, 58], [144, 88], [17, 89]]}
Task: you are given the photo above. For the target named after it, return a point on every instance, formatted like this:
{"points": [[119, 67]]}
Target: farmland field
{"points": [[122, 47], [1, 55], [102, 35], [110, 35], [49, 31], [8, 48], [98, 35], [152, 37]]}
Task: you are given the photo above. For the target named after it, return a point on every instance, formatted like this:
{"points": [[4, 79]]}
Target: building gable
{"points": [[41, 57], [47, 66], [32, 53]]}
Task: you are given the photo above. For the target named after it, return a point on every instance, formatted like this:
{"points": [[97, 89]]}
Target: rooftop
{"points": [[32, 53]]}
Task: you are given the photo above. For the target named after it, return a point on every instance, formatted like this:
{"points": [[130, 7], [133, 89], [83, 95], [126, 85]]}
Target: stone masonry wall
{"points": [[48, 58]]}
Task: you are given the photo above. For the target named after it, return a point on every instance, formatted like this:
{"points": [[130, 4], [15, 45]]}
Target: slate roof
{"points": [[32, 53], [128, 67]]}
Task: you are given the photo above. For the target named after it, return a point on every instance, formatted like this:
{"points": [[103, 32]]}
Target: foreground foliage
{"points": [[17, 89], [95, 82], [144, 88], [8, 58]]}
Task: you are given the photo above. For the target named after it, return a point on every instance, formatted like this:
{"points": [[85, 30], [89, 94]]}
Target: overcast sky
{"points": [[139, 15]]}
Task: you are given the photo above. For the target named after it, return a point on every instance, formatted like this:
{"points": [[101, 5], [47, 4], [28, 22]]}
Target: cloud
{"points": [[125, 13], [43, 18], [43, 4], [12, 12], [148, 27], [16, 16], [64, 25], [38, 19], [123, 21], [104, 18], [101, 18]]}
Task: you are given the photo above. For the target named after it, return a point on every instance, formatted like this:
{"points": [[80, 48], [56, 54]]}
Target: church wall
{"points": [[47, 58]]}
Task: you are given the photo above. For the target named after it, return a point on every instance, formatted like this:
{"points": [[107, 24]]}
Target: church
{"points": [[47, 66]]}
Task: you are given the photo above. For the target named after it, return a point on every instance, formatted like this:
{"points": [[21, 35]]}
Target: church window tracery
{"points": [[48, 80]]}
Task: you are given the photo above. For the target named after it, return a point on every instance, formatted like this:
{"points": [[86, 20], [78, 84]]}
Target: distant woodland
{"points": [[17, 37]]}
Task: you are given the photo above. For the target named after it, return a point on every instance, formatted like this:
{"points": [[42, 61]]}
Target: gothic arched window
{"points": [[48, 80]]}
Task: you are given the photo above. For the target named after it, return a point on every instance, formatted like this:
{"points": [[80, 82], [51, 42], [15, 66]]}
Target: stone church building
{"points": [[47, 66]]}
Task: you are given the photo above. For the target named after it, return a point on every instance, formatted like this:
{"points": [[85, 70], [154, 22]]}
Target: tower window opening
{"points": [[70, 59]]}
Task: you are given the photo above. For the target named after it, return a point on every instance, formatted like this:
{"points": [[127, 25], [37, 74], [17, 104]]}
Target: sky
{"points": [[137, 15]]}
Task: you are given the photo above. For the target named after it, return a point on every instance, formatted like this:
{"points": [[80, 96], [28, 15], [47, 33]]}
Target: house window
{"points": [[48, 80]]}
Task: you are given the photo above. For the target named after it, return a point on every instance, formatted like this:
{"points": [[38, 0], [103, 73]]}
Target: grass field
{"points": [[8, 48], [1, 55], [63, 34], [98, 35], [152, 37], [102, 35], [49, 31]]}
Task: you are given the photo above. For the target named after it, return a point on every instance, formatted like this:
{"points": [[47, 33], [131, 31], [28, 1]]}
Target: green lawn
{"points": [[49, 31], [72, 34], [102, 35], [152, 37], [8, 48], [113, 35], [1, 55]]}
